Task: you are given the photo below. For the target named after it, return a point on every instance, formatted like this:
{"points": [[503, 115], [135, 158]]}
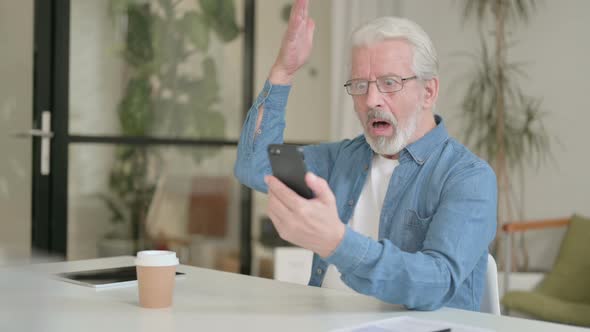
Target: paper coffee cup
{"points": [[156, 270]]}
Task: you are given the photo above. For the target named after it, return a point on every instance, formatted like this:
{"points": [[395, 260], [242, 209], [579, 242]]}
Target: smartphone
{"points": [[287, 165]]}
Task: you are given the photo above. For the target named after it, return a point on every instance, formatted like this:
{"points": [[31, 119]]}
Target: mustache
{"points": [[378, 114]]}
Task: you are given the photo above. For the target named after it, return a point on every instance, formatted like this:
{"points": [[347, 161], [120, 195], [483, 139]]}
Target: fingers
{"points": [[295, 46], [290, 199], [320, 188], [277, 223], [298, 19], [304, 11], [300, 9], [310, 30], [276, 208], [276, 205], [279, 214]]}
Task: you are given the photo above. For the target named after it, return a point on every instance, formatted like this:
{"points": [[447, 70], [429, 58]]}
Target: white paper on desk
{"points": [[410, 324]]}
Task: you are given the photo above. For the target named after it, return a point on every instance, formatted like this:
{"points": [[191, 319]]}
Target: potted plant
{"points": [[162, 99], [504, 124]]}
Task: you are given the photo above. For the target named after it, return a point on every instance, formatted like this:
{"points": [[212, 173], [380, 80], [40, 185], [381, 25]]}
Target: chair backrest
{"points": [[490, 300], [568, 279]]}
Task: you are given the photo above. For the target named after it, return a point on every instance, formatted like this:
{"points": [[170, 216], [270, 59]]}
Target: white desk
{"points": [[205, 300]]}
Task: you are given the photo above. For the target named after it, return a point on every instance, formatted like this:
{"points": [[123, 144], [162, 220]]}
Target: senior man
{"points": [[403, 212]]}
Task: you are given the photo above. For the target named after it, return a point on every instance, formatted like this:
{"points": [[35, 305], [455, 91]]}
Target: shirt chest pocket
{"points": [[415, 227]]}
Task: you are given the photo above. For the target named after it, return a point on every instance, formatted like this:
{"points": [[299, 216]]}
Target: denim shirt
{"points": [[437, 221]]}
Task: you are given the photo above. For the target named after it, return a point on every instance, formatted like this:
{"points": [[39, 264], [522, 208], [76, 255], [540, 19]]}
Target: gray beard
{"points": [[390, 146]]}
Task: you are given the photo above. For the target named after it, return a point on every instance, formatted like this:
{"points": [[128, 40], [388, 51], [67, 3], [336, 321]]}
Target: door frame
{"points": [[50, 93]]}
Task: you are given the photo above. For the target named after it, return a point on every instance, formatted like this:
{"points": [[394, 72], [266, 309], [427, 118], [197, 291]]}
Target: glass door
{"points": [[152, 100]]}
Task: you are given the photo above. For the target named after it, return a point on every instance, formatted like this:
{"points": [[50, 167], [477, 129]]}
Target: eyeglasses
{"points": [[385, 84]]}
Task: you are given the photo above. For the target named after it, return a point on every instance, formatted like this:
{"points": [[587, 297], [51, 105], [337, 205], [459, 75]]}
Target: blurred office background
{"points": [[145, 101]]}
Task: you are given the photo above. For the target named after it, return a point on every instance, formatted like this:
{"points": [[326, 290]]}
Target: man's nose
{"points": [[374, 96]]}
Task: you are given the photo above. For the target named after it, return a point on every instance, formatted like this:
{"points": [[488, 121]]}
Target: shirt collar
{"points": [[420, 150]]}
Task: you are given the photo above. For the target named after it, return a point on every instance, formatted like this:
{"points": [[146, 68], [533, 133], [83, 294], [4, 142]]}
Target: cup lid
{"points": [[156, 258]]}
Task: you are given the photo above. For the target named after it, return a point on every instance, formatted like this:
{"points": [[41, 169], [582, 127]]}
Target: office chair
{"points": [[563, 296], [490, 300]]}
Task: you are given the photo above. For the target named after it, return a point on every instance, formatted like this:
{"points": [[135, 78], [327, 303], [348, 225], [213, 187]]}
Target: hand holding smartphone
{"points": [[288, 166]]}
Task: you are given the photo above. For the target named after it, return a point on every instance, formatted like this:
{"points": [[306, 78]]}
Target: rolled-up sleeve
{"points": [[252, 161]]}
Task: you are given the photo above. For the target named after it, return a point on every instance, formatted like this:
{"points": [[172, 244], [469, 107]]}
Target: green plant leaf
{"points": [[213, 125], [525, 140], [135, 109], [117, 212], [204, 92], [160, 43], [196, 27], [139, 50], [221, 15], [119, 7], [210, 7], [167, 7], [514, 10]]}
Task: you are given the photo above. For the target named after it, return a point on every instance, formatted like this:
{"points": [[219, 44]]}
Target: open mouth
{"points": [[380, 123], [381, 127]]}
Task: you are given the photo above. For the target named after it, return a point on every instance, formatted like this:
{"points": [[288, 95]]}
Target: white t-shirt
{"points": [[367, 211]]}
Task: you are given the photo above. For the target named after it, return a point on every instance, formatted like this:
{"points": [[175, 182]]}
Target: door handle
{"points": [[45, 134], [34, 133]]}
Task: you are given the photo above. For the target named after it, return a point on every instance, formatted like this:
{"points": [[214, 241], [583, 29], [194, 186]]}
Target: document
{"points": [[410, 324]]}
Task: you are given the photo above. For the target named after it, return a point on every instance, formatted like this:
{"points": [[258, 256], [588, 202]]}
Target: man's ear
{"points": [[430, 93]]}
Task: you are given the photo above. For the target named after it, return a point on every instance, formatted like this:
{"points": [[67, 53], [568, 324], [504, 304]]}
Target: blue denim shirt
{"points": [[437, 221]]}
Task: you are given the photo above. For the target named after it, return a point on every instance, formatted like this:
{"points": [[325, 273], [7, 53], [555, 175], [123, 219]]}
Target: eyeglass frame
{"points": [[401, 79]]}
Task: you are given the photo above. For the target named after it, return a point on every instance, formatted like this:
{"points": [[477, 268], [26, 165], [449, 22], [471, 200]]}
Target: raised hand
{"points": [[296, 45]]}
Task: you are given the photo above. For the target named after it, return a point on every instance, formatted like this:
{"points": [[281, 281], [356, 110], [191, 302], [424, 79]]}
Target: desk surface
{"points": [[205, 300]]}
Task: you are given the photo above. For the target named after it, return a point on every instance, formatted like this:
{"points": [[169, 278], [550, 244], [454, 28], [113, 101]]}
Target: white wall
{"points": [[16, 109]]}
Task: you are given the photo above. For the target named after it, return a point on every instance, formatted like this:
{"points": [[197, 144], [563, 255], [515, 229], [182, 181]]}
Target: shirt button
{"points": [[259, 131], [366, 167], [319, 271], [350, 202]]}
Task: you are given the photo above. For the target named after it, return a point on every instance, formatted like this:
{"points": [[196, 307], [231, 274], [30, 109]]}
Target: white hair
{"points": [[425, 61]]}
